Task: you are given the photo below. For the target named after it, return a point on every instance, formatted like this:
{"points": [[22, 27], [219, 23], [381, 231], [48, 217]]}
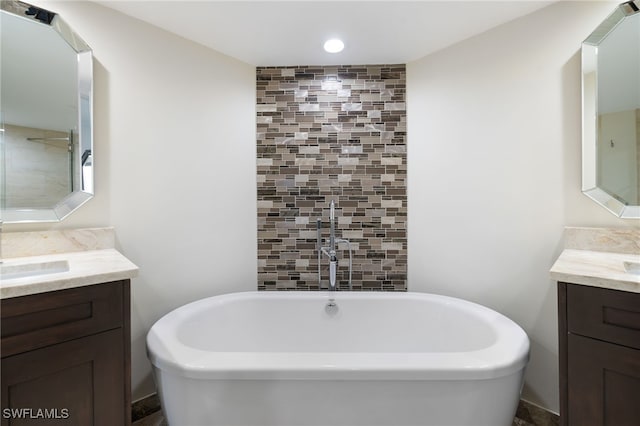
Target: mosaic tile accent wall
{"points": [[323, 133]]}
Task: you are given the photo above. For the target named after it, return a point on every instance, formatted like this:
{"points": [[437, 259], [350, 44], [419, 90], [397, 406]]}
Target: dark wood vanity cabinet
{"points": [[599, 345], [66, 357]]}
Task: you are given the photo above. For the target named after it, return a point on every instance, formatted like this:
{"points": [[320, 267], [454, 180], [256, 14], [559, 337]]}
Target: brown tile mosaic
{"points": [[323, 133]]}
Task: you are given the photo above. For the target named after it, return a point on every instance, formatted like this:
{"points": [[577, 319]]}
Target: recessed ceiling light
{"points": [[334, 45]]}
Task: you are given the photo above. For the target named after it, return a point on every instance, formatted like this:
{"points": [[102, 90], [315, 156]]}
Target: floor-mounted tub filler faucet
{"points": [[330, 250]]}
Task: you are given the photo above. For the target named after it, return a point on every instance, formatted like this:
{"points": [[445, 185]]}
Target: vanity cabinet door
{"points": [[599, 354], [71, 383], [66, 357], [604, 383]]}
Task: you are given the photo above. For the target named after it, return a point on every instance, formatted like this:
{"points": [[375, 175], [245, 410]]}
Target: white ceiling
{"points": [[272, 33]]}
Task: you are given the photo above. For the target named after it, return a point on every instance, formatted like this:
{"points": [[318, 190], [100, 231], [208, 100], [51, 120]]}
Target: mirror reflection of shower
{"points": [[87, 170], [47, 90], [3, 179], [38, 166], [618, 129], [611, 112]]}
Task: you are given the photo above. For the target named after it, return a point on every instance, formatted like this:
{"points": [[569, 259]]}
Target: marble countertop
{"points": [[82, 268], [596, 269]]}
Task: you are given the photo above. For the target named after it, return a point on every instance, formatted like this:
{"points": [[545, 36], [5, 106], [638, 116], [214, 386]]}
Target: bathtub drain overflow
{"points": [[331, 307]]}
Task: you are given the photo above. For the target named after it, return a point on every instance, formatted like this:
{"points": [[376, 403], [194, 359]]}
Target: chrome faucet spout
{"points": [[330, 251], [332, 220], [333, 266], [333, 260]]}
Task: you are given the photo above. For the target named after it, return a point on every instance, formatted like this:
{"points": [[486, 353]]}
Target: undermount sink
{"points": [[9, 272], [632, 267]]}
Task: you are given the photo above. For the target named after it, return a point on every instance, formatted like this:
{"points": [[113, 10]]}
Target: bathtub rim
{"points": [[498, 360]]}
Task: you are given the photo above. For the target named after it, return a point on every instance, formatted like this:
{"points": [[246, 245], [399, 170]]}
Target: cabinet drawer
{"points": [[608, 315], [39, 320]]}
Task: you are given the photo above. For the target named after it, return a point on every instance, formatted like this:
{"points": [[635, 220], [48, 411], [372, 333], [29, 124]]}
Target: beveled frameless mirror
{"points": [[611, 112], [46, 118]]}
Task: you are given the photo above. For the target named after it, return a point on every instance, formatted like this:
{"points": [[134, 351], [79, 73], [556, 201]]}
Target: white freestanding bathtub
{"points": [[337, 358]]}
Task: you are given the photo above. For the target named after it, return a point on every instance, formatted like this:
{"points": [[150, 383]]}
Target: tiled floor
{"points": [[531, 415], [156, 419], [527, 414]]}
